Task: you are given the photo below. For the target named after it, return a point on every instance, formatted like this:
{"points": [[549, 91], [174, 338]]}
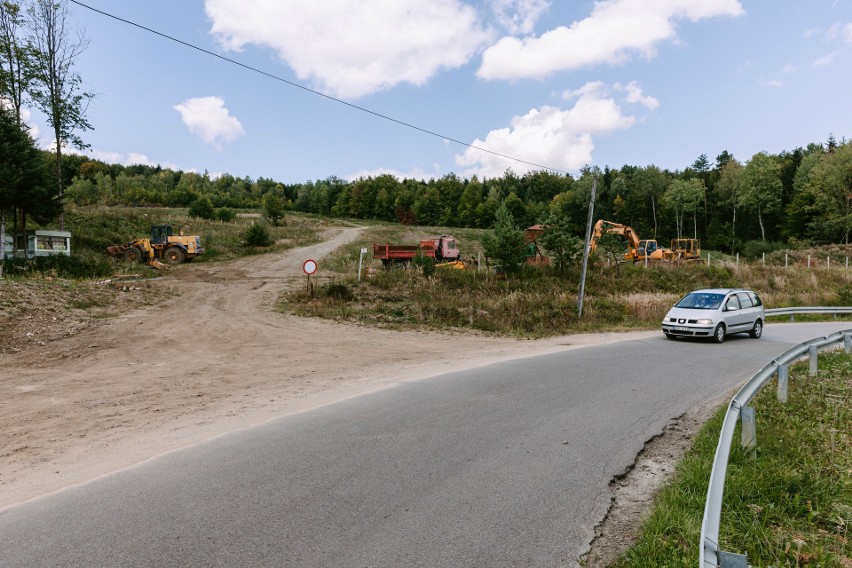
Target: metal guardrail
{"points": [[808, 310], [710, 555]]}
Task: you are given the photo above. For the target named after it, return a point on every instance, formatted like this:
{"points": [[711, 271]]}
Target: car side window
{"points": [[732, 304], [745, 300], [755, 299]]}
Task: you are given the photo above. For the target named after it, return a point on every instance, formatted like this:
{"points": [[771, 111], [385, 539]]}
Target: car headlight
{"points": [[704, 322]]}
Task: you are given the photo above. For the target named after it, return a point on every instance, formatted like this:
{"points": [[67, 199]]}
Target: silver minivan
{"points": [[716, 313]]}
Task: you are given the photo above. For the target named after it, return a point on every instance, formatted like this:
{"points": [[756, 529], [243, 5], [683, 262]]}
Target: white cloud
{"points": [[774, 83], [789, 68], [351, 49], [207, 118], [825, 61], [615, 31], [26, 117], [841, 33], [416, 173], [129, 159], [636, 96], [518, 16], [549, 136]]}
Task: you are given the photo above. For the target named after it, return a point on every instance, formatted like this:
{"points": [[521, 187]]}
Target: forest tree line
{"points": [[802, 195]]}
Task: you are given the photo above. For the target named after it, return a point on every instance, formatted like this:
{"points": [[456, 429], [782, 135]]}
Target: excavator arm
{"points": [[602, 227]]}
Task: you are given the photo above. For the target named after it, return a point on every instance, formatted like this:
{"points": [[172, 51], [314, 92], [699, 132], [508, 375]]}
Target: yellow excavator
{"points": [[642, 249], [162, 247]]}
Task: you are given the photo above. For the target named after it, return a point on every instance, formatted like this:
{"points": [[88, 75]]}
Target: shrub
{"points": [[225, 215], [202, 207], [258, 236], [338, 291], [60, 265], [844, 296], [424, 263], [755, 249]]}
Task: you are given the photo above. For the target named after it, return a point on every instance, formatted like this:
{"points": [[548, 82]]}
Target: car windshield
{"points": [[701, 301]]}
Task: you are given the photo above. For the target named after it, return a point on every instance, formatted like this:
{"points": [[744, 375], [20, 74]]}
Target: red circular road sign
{"points": [[309, 267]]}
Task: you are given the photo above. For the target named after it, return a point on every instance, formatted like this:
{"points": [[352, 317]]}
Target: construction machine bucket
{"points": [[116, 250]]}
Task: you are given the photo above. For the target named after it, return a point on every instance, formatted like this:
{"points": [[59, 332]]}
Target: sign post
{"points": [[361, 262], [309, 267]]}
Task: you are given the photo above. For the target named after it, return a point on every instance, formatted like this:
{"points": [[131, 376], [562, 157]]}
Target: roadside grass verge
{"points": [[789, 506], [540, 302]]}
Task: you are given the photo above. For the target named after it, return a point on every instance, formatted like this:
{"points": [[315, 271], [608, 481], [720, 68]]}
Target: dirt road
{"points": [[212, 359]]}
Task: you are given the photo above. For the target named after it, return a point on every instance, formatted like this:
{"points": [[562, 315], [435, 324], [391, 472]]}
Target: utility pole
{"points": [[588, 246]]}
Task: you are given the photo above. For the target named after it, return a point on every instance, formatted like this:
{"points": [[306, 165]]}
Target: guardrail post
{"points": [[732, 560], [847, 343], [749, 430], [792, 317], [783, 375], [812, 357]]}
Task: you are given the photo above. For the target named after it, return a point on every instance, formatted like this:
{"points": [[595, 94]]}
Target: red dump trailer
{"points": [[442, 249]]}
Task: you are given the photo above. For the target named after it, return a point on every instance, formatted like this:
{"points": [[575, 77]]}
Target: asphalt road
{"points": [[506, 465]]}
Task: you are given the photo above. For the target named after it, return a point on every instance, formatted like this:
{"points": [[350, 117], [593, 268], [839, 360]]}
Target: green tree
{"points": [[612, 247], [505, 242], [273, 207], [682, 197], [760, 189], [517, 209], [471, 197], [829, 187], [24, 181], [561, 242], [727, 193], [427, 208], [56, 87]]}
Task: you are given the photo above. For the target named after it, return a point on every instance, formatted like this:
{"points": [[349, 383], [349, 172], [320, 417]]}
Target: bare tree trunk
{"points": [[734, 227], [695, 224], [654, 211], [2, 239]]}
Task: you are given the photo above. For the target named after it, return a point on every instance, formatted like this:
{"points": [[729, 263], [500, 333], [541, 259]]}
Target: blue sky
{"points": [[557, 83]]}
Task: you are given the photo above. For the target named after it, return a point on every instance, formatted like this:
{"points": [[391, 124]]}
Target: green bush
{"points": [[258, 236], [225, 215], [338, 291], [60, 265], [424, 263], [202, 207], [755, 249], [844, 296]]}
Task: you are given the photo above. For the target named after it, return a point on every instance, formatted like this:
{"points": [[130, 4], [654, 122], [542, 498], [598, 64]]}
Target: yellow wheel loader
{"points": [[162, 247]]}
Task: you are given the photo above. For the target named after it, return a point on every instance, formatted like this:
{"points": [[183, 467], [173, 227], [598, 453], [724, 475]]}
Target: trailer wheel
{"points": [[174, 255], [133, 254]]}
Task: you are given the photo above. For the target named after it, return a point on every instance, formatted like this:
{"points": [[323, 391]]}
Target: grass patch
{"points": [[792, 505]]}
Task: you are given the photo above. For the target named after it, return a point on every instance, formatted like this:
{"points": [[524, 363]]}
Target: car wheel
{"points": [[719, 333], [757, 330]]}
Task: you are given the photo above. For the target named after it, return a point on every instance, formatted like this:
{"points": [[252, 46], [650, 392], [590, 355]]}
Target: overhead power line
{"points": [[312, 91]]}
